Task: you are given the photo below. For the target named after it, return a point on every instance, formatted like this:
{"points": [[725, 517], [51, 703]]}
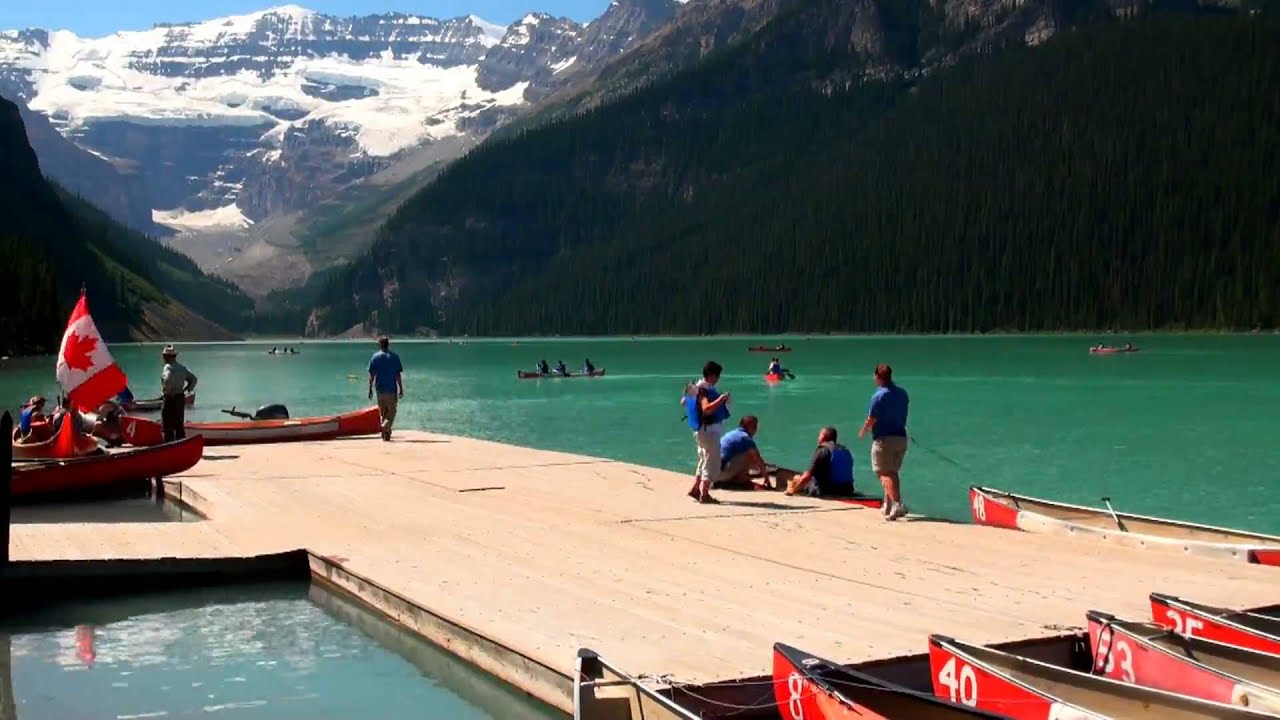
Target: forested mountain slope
{"points": [[52, 242], [1119, 175]]}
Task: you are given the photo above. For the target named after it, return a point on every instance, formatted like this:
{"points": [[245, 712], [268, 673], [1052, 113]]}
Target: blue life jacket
{"points": [[841, 466], [24, 421], [775, 369], [693, 409]]}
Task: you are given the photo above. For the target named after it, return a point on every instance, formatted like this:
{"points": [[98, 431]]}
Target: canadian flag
{"points": [[86, 370]]}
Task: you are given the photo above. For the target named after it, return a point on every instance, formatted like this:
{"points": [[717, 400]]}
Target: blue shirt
{"points": [[889, 408], [734, 443], [24, 421], [385, 366]]}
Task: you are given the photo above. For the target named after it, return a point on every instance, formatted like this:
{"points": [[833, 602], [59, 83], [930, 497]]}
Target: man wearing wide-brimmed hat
{"points": [[175, 382]]}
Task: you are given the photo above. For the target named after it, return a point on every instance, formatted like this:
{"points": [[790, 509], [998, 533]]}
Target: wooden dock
{"points": [[515, 558]]}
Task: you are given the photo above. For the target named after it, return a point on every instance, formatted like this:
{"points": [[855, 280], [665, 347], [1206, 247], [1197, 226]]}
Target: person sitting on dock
{"points": [[739, 456], [543, 368], [561, 369], [33, 412], [830, 472]]}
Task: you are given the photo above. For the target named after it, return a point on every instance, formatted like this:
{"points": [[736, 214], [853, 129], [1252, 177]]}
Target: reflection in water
{"points": [[264, 652]]}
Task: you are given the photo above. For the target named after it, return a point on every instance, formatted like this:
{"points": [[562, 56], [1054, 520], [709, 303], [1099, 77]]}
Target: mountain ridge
{"points": [[238, 120], [761, 158], [52, 244]]}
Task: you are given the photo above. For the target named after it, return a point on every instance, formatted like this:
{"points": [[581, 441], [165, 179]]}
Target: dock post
{"points": [[6, 474]]}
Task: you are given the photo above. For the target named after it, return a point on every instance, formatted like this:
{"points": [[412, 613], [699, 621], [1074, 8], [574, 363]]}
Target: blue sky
{"points": [[102, 17]]}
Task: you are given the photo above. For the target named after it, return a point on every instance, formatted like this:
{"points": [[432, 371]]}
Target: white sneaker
{"points": [[892, 512], [899, 510]]}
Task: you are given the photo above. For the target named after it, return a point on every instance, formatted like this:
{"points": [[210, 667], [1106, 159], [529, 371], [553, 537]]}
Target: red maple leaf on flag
{"points": [[76, 354]]}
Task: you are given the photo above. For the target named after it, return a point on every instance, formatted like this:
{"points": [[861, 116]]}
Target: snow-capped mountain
{"points": [[234, 120]]}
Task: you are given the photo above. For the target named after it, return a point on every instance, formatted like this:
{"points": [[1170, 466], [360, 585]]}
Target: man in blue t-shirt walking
{"points": [[887, 421], [385, 377]]}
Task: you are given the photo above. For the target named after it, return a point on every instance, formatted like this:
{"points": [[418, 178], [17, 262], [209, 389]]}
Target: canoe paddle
{"points": [[1115, 517]]}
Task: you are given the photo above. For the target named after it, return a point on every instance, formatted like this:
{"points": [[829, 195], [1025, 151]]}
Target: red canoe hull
{"points": [[101, 471], [810, 688], [1243, 629], [760, 348], [771, 378], [47, 450], [139, 431], [1124, 657]]}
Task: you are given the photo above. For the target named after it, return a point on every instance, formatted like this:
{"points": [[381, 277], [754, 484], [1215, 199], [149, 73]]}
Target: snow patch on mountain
{"points": [[185, 75], [229, 216]]}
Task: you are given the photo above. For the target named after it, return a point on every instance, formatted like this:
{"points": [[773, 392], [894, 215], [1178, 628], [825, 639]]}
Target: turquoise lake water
{"points": [[1185, 428], [250, 653]]}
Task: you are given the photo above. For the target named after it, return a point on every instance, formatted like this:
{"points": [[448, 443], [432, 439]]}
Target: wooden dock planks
{"points": [[548, 552]]}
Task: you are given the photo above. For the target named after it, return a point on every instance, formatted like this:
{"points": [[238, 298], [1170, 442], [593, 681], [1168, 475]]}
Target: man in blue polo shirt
{"points": [[887, 421], [739, 455], [384, 376]]}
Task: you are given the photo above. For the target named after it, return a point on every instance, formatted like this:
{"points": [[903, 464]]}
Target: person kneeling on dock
{"points": [[830, 472], [739, 456]]}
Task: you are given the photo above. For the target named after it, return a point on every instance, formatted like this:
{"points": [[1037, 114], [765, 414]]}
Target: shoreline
{"points": [[489, 339]]}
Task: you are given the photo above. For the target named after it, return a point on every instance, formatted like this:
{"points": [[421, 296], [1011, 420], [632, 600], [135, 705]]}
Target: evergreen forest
{"points": [[1120, 175]]}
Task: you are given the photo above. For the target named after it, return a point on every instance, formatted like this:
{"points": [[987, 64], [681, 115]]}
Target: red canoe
{"points": [[1156, 657], [246, 432], [523, 375], [48, 450], [100, 471], [772, 378], [1024, 688], [1112, 350], [1257, 629], [761, 348], [811, 688], [997, 508]]}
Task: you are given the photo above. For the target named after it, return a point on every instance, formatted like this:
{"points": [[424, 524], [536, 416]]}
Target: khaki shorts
{"points": [[887, 454], [735, 467], [387, 403]]}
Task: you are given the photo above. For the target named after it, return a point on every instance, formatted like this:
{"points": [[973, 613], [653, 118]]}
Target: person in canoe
{"points": [[561, 369], [587, 367], [739, 455], [706, 409], [108, 426], [543, 368], [175, 382], [67, 410], [830, 472], [32, 412], [775, 367], [887, 423]]}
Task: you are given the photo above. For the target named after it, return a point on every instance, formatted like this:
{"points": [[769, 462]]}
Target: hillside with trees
{"points": [[814, 178], [52, 243]]}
